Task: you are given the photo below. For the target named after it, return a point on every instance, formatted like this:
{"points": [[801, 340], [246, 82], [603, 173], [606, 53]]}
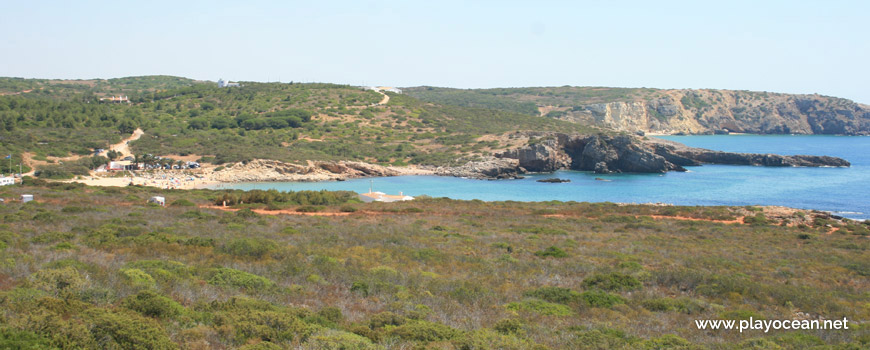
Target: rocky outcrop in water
{"points": [[490, 168], [615, 154], [685, 156]]}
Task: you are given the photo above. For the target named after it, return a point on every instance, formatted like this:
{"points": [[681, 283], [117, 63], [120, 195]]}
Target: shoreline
{"points": [[194, 183]]}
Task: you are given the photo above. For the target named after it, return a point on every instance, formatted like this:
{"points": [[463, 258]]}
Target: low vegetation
{"points": [[97, 268]]}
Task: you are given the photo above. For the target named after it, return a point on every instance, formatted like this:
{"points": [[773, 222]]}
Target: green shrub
{"points": [[60, 280], [348, 209], [386, 318], [683, 305], [249, 247], [277, 326], [552, 251], [224, 276], [182, 203], [162, 270], [603, 338], [330, 339], [423, 331], [246, 213], [59, 246], [331, 314], [310, 208], [23, 340], [360, 287], [741, 315], [613, 281], [541, 307], [137, 278], [554, 294], [485, 339], [74, 209], [757, 220], [124, 330], [668, 341], [152, 304], [508, 326], [601, 299]]}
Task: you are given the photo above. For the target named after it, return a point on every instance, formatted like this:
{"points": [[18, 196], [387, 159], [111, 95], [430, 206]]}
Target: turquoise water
{"points": [[844, 191]]}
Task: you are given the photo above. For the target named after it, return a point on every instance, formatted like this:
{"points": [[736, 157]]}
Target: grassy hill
{"points": [[96, 268], [90, 88], [287, 122], [527, 100]]}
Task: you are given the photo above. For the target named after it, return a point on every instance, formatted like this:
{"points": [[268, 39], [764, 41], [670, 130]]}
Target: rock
{"points": [[490, 168], [555, 180], [684, 155], [604, 154], [540, 157]]}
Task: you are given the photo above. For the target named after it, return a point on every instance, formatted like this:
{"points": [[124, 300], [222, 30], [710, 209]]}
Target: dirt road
{"points": [[385, 99], [123, 147]]}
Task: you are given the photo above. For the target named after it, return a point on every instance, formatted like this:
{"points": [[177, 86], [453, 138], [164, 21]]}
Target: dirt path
{"points": [[385, 99], [15, 93], [738, 220], [293, 212], [121, 147]]}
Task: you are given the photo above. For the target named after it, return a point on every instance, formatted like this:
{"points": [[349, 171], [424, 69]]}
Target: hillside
{"points": [[97, 268], [670, 111], [285, 122], [90, 88]]}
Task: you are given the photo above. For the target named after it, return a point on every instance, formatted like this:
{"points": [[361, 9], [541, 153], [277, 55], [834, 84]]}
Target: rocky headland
{"points": [[625, 153], [602, 154]]}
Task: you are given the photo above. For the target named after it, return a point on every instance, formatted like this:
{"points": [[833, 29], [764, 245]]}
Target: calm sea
{"points": [[844, 191]]}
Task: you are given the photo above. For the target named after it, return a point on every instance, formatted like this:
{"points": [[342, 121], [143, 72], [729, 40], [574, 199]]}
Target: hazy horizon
{"points": [[778, 46]]}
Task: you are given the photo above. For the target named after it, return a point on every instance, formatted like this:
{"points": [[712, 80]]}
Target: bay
{"points": [[843, 191]]}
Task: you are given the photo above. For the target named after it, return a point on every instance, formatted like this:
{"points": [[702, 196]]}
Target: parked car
{"points": [[128, 159]]}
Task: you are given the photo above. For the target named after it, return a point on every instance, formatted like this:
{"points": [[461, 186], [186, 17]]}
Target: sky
{"points": [[778, 46]]}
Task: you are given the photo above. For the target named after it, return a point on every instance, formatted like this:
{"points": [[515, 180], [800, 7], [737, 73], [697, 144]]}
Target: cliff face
{"points": [[609, 154], [722, 111]]}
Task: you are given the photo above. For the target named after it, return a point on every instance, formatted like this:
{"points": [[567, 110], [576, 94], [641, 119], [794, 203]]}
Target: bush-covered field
{"points": [[97, 268]]}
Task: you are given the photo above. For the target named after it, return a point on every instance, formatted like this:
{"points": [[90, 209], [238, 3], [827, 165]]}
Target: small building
{"points": [[158, 200], [26, 198], [224, 83], [383, 197], [116, 99], [6, 181], [115, 166]]}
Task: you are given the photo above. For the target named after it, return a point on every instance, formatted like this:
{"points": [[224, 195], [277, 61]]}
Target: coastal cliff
{"points": [[724, 111], [670, 111], [615, 154]]}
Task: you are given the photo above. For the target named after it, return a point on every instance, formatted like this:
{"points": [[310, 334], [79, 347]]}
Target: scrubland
{"points": [[98, 268]]}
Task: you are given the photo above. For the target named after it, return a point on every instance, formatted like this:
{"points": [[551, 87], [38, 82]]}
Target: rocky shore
{"points": [[549, 152], [263, 170]]}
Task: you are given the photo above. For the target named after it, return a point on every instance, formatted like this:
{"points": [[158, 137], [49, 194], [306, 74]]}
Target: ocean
{"points": [[842, 191]]}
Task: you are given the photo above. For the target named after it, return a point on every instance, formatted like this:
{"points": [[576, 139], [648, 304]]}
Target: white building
{"points": [[383, 197], [6, 181], [160, 200], [225, 83], [385, 89]]}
